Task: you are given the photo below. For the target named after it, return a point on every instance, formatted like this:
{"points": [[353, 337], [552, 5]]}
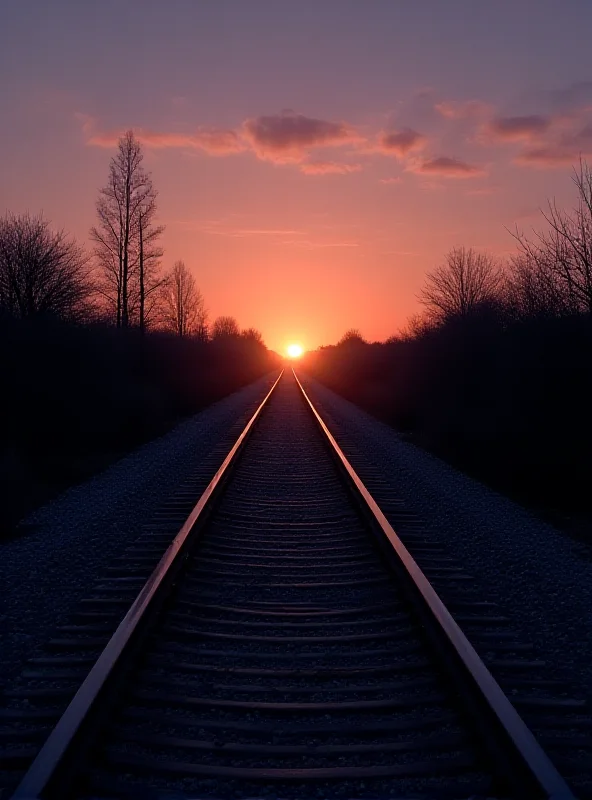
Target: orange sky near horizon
{"points": [[312, 161]]}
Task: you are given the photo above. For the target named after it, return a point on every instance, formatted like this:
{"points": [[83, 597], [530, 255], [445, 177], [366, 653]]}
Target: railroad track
{"points": [[285, 645]]}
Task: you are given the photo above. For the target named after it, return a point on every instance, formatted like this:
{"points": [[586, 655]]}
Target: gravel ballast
{"points": [[541, 577], [67, 543]]}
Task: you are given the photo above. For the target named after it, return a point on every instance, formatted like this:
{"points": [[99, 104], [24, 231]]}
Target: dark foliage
{"points": [[42, 272], [76, 397], [496, 376], [508, 401]]}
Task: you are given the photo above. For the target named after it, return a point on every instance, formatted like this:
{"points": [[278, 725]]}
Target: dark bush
{"points": [[76, 397], [508, 402]]}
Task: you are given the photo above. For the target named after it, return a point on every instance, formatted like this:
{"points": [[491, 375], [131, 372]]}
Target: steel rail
{"points": [[37, 781], [543, 774], [71, 736]]}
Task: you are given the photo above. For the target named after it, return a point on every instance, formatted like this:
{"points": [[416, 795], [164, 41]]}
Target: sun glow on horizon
{"points": [[294, 351]]}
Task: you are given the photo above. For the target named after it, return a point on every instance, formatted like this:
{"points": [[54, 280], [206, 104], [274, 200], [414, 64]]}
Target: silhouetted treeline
{"points": [[496, 374], [102, 350], [75, 397], [509, 403], [120, 282]]}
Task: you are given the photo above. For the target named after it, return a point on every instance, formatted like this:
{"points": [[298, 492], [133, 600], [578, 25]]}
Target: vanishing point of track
{"points": [[285, 645]]}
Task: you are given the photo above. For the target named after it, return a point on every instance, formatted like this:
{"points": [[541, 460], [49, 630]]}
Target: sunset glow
{"points": [[306, 193], [309, 220], [294, 351]]}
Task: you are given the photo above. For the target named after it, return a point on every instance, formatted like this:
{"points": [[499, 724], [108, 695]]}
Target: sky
{"points": [[313, 158]]}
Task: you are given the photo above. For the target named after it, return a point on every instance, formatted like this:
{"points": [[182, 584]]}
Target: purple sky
{"points": [[313, 159]]}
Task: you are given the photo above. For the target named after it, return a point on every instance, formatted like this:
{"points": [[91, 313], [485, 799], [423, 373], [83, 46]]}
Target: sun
{"points": [[294, 350]]}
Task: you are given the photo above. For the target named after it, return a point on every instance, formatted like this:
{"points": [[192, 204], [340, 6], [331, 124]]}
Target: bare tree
{"points": [[147, 264], [533, 288], [201, 332], [253, 335], [126, 237], [184, 310], [225, 328], [466, 281], [41, 271], [351, 336], [416, 327], [564, 251]]}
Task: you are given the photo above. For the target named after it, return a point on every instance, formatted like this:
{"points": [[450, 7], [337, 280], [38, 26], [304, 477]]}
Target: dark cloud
{"points": [[446, 167], [565, 150], [399, 143], [287, 137], [516, 128], [552, 156]]}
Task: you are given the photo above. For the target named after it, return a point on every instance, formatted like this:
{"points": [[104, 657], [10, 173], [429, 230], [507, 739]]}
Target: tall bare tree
{"points": [[465, 282], [563, 251], [225, 328], [42, 271], [126, 236], [146, 266], [184, 311]]}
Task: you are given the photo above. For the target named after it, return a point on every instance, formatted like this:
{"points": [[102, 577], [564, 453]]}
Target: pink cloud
{"points": [[104, 139], [329, 168], [215, 141], [399, 143], [565, 150], [287, 137], [447, 168], [452, 109], [99, 139], [510, 129], [391, 180], [546, 157]]}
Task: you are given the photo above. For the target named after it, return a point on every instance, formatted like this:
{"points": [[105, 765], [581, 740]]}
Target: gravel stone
{"points": [[67, 543], [541, 577]]}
